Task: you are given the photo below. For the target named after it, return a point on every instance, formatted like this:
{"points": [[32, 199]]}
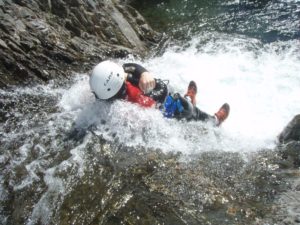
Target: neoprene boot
{"points": [[192, 92], [222, 114]]}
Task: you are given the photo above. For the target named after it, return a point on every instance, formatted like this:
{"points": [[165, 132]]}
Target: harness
{"points": [[172, 106]]}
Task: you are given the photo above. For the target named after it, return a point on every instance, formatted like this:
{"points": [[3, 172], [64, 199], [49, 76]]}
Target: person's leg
{"points": [[190, 112], [200, 115]]}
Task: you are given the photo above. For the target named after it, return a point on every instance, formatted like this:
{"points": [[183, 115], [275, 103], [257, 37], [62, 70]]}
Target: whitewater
{"points": [[67, 158], [259, 81], [52, 139]]}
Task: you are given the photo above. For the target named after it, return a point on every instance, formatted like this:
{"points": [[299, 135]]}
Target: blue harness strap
{"points": [[171, 106]]}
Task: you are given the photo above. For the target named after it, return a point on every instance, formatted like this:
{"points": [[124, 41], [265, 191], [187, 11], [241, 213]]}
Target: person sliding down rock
{"points": [[185, 107], [132, 82]]}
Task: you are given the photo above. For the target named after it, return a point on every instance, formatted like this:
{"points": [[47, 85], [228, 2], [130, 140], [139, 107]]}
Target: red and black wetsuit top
{"points": [[135, 94]]}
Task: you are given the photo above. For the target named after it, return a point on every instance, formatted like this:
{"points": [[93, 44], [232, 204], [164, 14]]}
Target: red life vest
{"points": [[135, 95]]}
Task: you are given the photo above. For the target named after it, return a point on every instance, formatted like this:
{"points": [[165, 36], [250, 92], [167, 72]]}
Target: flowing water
{"points": [[68, 159]]}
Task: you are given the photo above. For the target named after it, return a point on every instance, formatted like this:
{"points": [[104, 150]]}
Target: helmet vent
{"points": [[118, 74], [108, 89]]}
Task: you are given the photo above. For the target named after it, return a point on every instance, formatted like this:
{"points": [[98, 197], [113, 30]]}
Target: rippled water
{"points": [[67, 159], [263, 19]]}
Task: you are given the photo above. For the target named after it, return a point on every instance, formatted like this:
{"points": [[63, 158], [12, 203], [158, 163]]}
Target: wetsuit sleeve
{"points": [[134, 72]]}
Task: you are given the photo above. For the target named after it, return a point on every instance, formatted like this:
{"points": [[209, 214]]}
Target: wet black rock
{"points": [[41, 40], [289, 140], [292, 131]]}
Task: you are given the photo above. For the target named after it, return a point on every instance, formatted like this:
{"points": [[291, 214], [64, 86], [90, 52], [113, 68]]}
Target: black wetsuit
{"points": [[191, 112], [160, 92], [134, 71]]}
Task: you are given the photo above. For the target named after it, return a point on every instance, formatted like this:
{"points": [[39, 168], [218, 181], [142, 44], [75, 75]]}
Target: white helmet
{"points": [[107, 79]]}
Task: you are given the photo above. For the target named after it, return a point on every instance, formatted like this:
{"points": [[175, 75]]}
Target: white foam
{"points": [[260, 82], [43, 210], [57, 187], [77, 95]]}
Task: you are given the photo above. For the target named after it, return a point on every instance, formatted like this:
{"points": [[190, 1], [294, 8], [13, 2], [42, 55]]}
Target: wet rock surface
{"points": [[43, 40], [291, 132], [288, 202], [289, 140], [56, 174], [50, 177]]}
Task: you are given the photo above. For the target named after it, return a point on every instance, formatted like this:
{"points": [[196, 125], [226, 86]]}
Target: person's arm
{"points": [[139, 76]]}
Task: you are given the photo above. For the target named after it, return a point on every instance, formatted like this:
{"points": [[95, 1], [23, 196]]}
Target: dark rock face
{"points": [[289, 140], [46, 39], [292, 131]]}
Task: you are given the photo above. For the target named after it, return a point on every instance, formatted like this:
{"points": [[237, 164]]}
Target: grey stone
{"points": [[63, 36], [127, 30], [92, 4], [20, 26], [3, 44], [292, 131], [6, 2]]}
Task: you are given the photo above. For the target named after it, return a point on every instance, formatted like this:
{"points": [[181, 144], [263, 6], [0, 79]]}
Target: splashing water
{"points": [[260, 82], [40, 155]]}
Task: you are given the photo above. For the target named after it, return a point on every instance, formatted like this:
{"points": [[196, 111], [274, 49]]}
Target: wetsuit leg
{"points": [[200, 115], [191, 112]]}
